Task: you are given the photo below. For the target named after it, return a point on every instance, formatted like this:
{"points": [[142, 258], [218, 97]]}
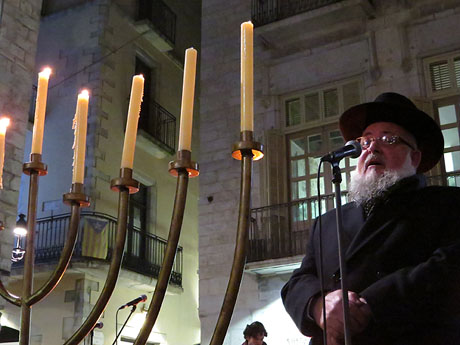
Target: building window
{"points": [[443, 74], [149, 95], [443, 85], [312, 131], [447, 112], [313, 107], [156, 121], [305, 149], [137, 222]]}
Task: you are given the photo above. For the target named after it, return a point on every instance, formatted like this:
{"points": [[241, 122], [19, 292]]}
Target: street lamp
{"points": [[19, 231]]}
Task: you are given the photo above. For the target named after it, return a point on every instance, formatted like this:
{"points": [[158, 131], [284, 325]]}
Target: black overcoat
{"points": [[404, 259]]}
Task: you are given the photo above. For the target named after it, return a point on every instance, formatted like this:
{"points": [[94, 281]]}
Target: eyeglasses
{"points": [[383, 140]]}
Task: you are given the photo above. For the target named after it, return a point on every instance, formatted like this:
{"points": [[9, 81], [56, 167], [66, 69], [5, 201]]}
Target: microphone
{"points": [[351, 149], [99, 325], [141, 298]]}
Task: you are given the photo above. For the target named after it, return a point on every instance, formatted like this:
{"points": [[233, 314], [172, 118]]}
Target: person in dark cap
{"points": [[402, 239], [254, 334]]}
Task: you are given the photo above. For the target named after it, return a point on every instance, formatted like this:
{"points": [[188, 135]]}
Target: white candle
{"points": [[137, 91], [188, 94], [4, 122], [80, 125], [247, 77], [40, 109]]}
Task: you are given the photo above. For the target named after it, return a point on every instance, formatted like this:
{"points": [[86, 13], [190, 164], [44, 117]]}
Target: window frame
{"points": [[321, 90], [450, 58]]}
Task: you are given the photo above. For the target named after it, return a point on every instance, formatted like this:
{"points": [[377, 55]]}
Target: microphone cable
{"points": [[321, 271]]}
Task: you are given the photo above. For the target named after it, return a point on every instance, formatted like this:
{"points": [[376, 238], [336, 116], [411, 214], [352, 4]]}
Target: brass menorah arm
{"points": [[183, 167], [76, 199], [34, 169], [245, 150], [124, 185], [239, 257], [16, 300]]}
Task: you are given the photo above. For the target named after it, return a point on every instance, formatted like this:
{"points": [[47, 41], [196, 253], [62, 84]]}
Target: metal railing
{"points": [[161, 17], [269, 11], [281, 231], [160, 124], [144, 252]]}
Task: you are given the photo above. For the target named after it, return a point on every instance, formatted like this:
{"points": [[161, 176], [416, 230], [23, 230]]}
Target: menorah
{"points": [[183, 168]]}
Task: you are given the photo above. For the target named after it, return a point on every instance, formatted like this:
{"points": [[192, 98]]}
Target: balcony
{"points": [[278, 234], [159, 125], [144, 252], [269, 11], [158, 17]]}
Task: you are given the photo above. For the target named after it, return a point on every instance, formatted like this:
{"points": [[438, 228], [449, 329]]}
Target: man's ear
{"points": [[416, 157]]}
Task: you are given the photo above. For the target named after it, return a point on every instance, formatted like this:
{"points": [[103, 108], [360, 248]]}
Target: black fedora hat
{"points": [[396, 108]]}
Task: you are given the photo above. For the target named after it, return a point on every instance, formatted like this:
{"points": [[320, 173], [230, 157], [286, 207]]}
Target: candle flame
{"points": [[46, 72], [84, 93], [4, 123]]}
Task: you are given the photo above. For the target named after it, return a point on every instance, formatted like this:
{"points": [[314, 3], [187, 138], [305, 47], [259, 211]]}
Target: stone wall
{"points": [[19, 24]]}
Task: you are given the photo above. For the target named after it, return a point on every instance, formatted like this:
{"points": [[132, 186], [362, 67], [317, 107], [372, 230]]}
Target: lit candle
{"points": [[4, 122], [79, 145], [137, 91], [40, 109], [188, 93], [247, 77]]}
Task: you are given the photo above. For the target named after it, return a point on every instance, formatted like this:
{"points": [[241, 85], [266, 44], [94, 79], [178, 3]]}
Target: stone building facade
{"points": [[312, 60], [19, 25]]}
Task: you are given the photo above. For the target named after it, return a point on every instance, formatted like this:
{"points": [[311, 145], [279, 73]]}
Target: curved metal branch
{"points": [[64, 260], [171, 248], [16, 300], [112, 276], [239, 257], [27, 283]]}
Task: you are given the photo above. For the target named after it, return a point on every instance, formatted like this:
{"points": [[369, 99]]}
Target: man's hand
{"points": [[360, 315]]}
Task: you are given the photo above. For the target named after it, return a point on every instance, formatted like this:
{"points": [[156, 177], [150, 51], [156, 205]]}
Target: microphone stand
{"points": [[337, 179], [133, 309]]}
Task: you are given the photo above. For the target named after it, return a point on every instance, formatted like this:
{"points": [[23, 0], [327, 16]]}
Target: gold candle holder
{"points": [[124, 185], [183, 168], [245, 150]]}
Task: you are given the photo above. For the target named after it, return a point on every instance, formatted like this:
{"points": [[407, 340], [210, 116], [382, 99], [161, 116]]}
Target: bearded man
{"points": [[402, 239]]}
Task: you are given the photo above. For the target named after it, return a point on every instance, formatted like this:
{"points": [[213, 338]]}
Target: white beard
{"points": [[370, 186]]}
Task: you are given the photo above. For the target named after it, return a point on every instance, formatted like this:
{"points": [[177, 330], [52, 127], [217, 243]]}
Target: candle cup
{"points": [[247, 144], [184, 162]]}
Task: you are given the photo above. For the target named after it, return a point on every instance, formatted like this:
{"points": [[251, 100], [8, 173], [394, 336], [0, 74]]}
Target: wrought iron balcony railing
{"points": [[161, 17], [144, 252], [269, 11], [160, 124], [281, 231]]}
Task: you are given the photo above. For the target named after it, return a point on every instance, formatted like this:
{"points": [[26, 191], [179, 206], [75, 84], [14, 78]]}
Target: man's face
{"points": [[379, 157], [257, 340]]}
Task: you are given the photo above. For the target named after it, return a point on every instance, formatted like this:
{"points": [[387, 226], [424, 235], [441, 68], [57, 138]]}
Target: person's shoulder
{"points": [[441, 190], [439, 193]]}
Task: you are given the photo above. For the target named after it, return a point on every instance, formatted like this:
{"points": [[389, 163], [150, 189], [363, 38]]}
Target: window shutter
{"points": [[439, 72], [331, 103], [293, 112], [457, 71], [274, 173], [312, 107], [350, 95]]}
